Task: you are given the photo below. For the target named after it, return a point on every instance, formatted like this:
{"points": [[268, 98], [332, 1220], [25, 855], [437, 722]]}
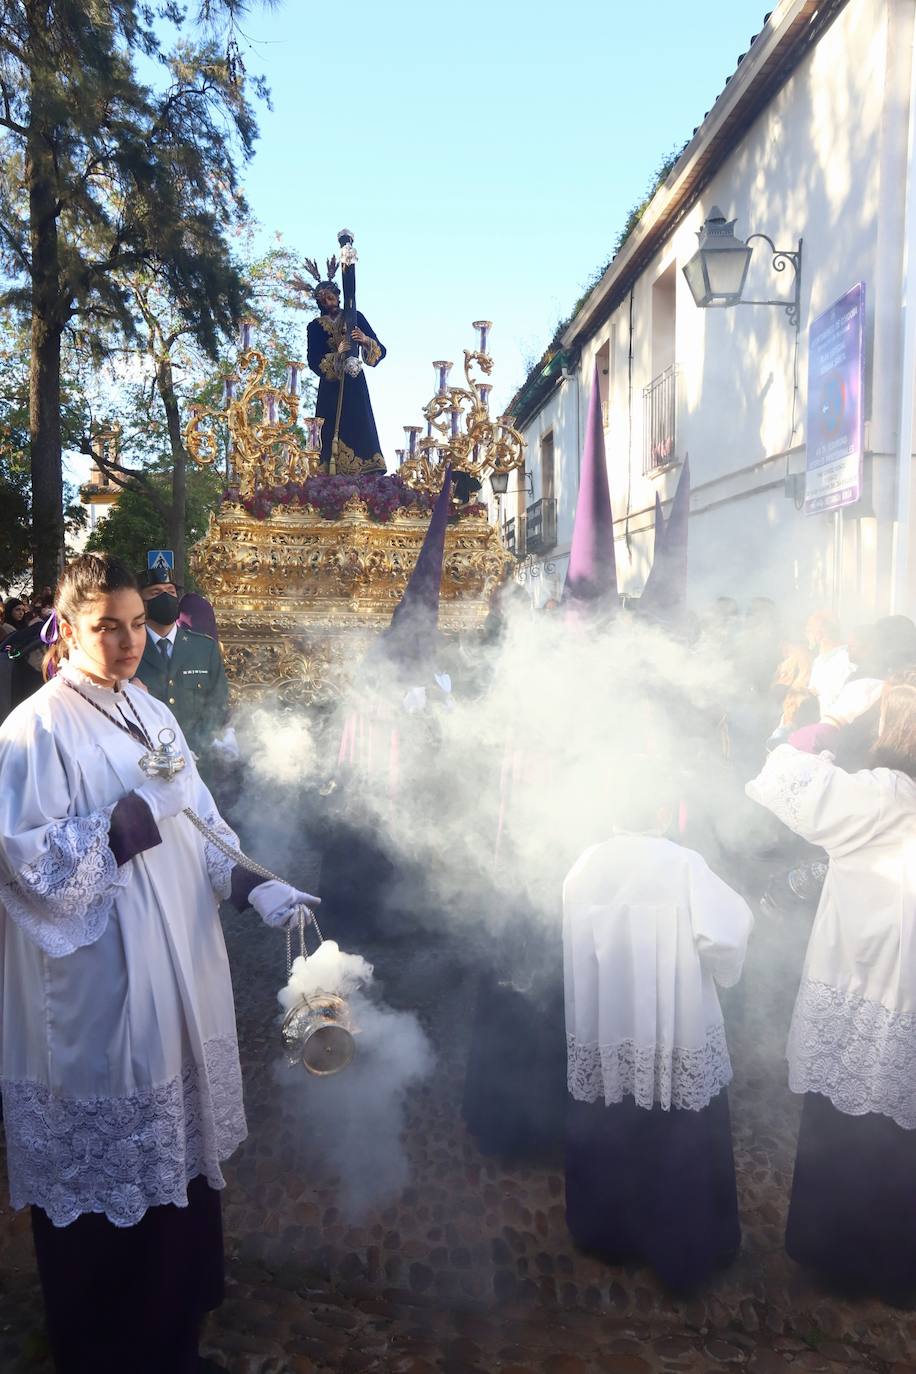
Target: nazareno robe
{"points": [[648, 931], [358, 448], [852, 1042]]}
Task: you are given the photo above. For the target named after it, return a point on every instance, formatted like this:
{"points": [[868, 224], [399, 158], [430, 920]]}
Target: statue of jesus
{"points": [[341, 342]]}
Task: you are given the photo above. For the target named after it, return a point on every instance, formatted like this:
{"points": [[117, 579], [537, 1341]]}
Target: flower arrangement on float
{"points": [[382, 494]]}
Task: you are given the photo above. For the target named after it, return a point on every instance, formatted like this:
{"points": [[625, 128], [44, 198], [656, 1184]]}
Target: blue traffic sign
{"points": [[160, 561]]}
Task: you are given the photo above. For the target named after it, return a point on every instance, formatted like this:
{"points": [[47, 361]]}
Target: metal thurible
{"points": [[164, 762], [318, 1031]]}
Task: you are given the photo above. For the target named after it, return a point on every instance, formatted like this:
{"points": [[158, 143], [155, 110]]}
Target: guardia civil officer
{"points": [[185, 670]]}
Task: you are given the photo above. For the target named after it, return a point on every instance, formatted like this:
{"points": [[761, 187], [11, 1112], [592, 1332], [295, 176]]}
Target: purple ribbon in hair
{"points": [[50, 632]]}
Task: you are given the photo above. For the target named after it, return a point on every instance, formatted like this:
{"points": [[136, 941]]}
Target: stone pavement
{"points": [[470, 1267]]}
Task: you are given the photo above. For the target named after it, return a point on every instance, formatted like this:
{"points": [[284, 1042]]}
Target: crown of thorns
{"points": [[311, 266]]}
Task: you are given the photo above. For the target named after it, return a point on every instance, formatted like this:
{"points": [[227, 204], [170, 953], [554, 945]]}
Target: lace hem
{"points": [[63, 900], [122, 1155], [668, 1075], [859, 1054], [219, 865]]}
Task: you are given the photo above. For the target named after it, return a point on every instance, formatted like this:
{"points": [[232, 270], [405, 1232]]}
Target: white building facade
{"points": [[813, 139]]}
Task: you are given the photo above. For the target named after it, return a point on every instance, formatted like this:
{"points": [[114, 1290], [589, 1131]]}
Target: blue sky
{"points": [[484, 157]]}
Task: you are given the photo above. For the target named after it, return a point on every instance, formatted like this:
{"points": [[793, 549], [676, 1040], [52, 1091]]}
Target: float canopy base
{"points": [[299, 598]]}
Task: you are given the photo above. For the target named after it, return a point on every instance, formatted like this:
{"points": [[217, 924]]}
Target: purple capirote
{"points": [[197, 615], [665, 594], [592, 572], [413, 629]]}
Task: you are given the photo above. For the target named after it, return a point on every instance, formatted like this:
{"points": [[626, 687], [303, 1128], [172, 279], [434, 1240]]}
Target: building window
{"points": [[547, 466], [603, 364], [541, 526], [659, 421], [660, 396], [664, 292]]}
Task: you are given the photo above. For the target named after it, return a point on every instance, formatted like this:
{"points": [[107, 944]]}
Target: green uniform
{"points": [[193, 683]]}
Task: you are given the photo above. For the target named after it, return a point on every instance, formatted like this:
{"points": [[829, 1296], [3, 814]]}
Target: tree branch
{"points": [[16, 247], [128, 479], [6, 119]]}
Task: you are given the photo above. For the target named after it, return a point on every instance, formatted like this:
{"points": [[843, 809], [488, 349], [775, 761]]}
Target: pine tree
{"points": [[101, 175]]}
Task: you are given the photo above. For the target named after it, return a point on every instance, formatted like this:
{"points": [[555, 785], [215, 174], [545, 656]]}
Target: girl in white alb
{"points": [[648, 932], [122, 1091], [852, 1042]]}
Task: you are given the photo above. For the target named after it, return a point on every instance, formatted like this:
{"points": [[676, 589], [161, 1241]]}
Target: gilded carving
{"points": [[299, 597]]}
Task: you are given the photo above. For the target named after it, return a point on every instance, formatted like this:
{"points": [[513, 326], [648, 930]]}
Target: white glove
{"points": [[415, 700], [167, 797], [278, 904], [227, 746]]}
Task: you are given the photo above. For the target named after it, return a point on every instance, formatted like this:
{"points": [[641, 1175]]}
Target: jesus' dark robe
{"points": [[358, 449]]}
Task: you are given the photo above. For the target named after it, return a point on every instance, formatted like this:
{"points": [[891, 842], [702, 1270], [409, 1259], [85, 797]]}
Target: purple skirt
{"points": [[653, 1187], [851, 1217], [131, 1298]]}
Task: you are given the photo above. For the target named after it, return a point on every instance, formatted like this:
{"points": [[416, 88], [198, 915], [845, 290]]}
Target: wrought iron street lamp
{"points": [[499, 481], [717, 272]]}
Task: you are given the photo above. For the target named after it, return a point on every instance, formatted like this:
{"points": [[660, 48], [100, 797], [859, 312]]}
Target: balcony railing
{"points": [[514, 536], [659, 402], [541, 524]]}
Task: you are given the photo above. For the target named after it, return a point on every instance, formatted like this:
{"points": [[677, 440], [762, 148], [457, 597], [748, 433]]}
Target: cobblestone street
{"points": [[471, 1269]]}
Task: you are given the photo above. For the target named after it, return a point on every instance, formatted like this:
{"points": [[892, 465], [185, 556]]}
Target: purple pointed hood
{"points": [[665, 592], [196, 613], [414, 624], [659, 528], [592, 572]]}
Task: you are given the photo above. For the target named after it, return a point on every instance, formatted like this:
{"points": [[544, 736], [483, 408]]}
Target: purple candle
{"points": [[400, 455], [483, 328], [485, 388], [442, 371], [270, 409], [292, 379], [245, 335], [455, 414], [411, 433]]}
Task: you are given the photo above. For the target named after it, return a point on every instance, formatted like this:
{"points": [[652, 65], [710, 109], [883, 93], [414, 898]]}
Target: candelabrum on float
{"points": [[303, 566], [460, 429], [266, 445]]}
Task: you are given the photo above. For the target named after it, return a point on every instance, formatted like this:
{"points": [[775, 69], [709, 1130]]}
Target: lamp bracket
{"points": [[783, 258]]}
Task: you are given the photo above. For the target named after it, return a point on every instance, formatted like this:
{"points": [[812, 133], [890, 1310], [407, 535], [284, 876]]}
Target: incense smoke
{"points": [[352, 1122], [482, 797]]}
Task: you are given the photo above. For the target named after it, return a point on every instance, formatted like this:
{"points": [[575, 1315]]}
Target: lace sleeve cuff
{"points": [[220, 866], [787, 784], [64, 898]]}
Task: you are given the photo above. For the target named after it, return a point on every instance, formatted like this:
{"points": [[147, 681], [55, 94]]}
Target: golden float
{"points": [[299, 596]]}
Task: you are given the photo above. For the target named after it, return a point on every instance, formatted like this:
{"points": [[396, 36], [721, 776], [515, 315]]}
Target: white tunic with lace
{"points": [[648, 930], [853, 1032], [118, 1053]]}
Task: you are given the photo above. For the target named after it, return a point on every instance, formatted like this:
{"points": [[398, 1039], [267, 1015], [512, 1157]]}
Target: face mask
{"points": [[163, 609]]}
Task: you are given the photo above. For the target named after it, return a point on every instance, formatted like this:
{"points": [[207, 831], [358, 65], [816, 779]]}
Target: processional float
{"points": [[305, 566]]}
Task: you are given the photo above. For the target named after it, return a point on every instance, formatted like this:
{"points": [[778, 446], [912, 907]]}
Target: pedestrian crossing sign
{"points": [[161, 562]]}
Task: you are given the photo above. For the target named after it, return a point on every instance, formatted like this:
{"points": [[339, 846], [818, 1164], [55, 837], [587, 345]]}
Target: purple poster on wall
{"points": [[836, 417]]}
